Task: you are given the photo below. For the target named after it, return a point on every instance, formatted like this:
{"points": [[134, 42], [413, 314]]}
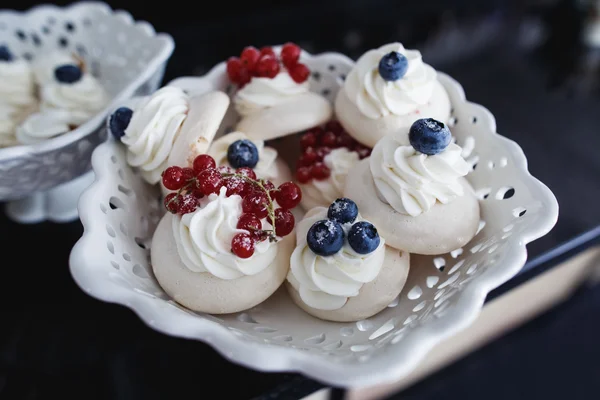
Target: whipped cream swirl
{"points": [[44, 125], [153, 128], [262, 93], [265, 168], [82, 99], [324, 192], [17, 86], [376, 98], [326, 283], [411, 182], [204, 237]]}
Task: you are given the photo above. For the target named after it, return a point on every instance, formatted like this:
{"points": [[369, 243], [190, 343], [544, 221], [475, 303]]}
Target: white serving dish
{"points": [[127, 57], [119, 213]]}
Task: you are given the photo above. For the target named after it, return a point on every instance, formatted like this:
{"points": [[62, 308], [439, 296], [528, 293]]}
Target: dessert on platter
{"points": [[229, 238], [48, 97], [328, 154], [387, 90], [273, 97], [416, 194], [341, 269]]}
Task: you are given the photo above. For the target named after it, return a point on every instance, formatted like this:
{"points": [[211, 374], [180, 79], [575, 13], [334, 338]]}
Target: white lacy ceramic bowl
{"points": [[119, 213], [128, 58]]}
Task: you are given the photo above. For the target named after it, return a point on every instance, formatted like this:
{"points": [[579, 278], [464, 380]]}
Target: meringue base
{"points": [[445, 227], [368, 131], [300, 113], [372, 297], [204, 292]]}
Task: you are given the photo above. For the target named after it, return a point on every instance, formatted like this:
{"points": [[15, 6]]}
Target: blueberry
{"points": [[363, 237], [242, 153], [429, 136], [325, 237], [393, 66], [5, 54], [68, 73], [119, 121], [343, 210]]}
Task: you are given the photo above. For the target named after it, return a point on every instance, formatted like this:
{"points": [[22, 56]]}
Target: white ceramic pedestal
{"points": [[58, 204]]}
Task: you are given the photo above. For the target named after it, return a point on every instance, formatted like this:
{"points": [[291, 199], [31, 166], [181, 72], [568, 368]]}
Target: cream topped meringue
{"points": [[266, 167], [262, 93], [412, 182], [82, 99], [326, 283], [376, 98], [204, 237], [17, 86], [324, 192], [153, 128], [44, 125]]}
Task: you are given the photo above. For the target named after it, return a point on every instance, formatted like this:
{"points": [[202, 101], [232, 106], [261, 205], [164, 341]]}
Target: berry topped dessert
{"points": [[328, 153], [273, 96], [387, 90], [236, 150], [225, 244], [416, 193], [17, 94], [341, 269], [69, 98]]}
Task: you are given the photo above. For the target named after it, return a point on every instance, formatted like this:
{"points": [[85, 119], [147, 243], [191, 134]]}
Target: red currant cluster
{"points": [[264, 63], [258, 199], [316, 143]]}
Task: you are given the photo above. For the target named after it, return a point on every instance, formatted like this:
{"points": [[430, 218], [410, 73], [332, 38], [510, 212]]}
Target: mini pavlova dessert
{"points": [[17, 94], [416, 194], [387, 90], [341, 269], [328, 154], [69, 100], [225, 244], [273, 97], [236, 150]]}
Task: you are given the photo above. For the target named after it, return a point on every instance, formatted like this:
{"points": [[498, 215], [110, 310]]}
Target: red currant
{"points": [[345, 140], [308, 157], [202, 162], [244, 77], [235, 185], [319, 171], [249, 57], [242, 245], [267, 51], [188, 174], [249, 222], [210, 181], [198, 193], [188, 204], [288, 195], [256, 203], [269, 187], [247, 172], [329, 139], [173, 178], [303, 174], [234, 66], [172, 201], [335, 127], [260, 235], [267, 67], [363, 151], [290, 53], [307, 140], [284, 222], [322, 152], [299, 73]]}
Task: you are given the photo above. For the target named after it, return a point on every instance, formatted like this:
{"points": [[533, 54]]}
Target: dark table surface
{"points": [[55, 340]]}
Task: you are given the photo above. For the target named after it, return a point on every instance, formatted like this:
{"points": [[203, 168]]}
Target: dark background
{"points": [[524, 60]]}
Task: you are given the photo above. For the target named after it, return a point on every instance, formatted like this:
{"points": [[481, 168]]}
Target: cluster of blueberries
{"points": [[326, 237]]}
